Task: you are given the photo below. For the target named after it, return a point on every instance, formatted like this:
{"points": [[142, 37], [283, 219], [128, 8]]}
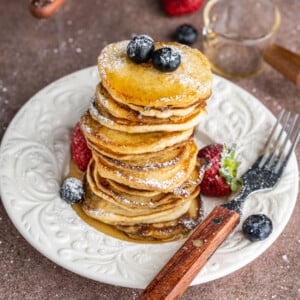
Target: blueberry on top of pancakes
{"points": [[140, 48], [166, 59]]}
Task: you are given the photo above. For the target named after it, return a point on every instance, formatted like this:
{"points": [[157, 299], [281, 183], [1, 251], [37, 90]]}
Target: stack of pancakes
{"points": [[144, 175]]}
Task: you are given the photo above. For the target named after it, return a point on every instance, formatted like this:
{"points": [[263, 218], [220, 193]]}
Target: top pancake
{"points": [[143, 85]]}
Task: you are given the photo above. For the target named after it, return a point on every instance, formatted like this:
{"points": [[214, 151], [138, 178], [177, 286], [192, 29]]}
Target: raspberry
{"points": [[81, 154], [180, 7], [220, 176], [214, 186]]}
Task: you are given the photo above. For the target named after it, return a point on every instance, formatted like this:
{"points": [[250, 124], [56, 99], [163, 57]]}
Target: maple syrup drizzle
{"points": [[96, 224]]}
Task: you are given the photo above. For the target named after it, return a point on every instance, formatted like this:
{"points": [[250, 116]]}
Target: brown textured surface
{"points": [[33, 53]]}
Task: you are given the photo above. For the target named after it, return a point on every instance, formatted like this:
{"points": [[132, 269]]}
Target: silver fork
{"points": [[267, 170], [264, 174]]}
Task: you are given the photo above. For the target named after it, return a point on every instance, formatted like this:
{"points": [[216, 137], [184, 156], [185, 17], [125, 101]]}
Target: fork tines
{"points": [[280, 146]]}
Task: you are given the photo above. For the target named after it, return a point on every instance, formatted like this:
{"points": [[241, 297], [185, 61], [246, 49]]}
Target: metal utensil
{"points": [[264, 174], [267, 170]]}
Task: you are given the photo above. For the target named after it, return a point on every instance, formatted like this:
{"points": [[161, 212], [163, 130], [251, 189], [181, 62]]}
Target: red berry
{"points": [[220, 161], [214, 186], [81, 154], [212, 154], [180, 7]]}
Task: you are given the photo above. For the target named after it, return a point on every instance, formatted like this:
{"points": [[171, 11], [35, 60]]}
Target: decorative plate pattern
{"points": [[34, 157]]}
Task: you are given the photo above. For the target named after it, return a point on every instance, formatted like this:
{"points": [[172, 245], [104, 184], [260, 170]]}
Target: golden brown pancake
{"points": [[124, 143], [104, 102], [140, 199], [165, 225], [157, 180], [102, 116], [110, 213], [143, 85], [166, 112], [167, 231]]}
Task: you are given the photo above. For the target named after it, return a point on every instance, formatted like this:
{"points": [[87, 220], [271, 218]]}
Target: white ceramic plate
{"points": [[34, 157]]}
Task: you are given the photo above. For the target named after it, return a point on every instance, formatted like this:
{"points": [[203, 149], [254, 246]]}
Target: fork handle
{"points": [[181, 269]]}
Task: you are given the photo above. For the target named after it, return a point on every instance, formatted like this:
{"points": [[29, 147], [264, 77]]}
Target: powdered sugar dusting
{"points": [[105, 61], [201, 171], [160, 184], [189, 223], [139, 42], [72, 190], [169, 56], [103, 100], [146, 167], [93, 111], [87, 129], [181, 192], [131, 202], [100, 212]]}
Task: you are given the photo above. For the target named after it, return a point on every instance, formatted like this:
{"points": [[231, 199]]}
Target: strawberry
{"points": [[220, 176], [81, 154], [180, 7]]}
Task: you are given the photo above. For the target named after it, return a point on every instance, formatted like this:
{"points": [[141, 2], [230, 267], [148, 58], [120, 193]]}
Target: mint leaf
{"points": [[229, 166]]}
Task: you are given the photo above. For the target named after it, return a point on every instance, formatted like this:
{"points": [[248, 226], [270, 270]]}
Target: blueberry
{"points": [[257, 227], [140, 48], [166, 59], [72, 190], [186, 34]]}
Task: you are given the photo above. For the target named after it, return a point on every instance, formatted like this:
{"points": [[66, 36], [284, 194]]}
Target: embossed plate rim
{"points": [[209, 273]]}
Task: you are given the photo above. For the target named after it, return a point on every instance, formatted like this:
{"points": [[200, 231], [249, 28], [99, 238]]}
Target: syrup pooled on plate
{"points": [[98, 225]]}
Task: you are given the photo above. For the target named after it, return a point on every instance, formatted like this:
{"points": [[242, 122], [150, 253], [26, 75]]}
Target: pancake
{"points": [[111, 140], [138, 192], [155, 179], [151, 223], [165, 112], [107, 212], [169, 124], [168, 160], [143, 85], [136, 200], [167, 231], [100, 150], [104, 101]]}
